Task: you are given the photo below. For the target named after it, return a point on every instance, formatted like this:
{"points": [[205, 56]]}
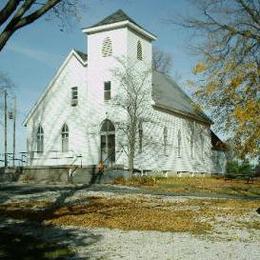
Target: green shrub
{"points": [[246, 168], [232, 167], [239, 168]]}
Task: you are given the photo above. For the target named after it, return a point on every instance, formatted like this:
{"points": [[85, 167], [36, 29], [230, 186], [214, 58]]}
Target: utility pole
{"points": [[14, 130], [5, 128]]}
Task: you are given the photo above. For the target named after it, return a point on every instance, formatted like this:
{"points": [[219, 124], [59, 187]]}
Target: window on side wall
{"points": [[107, 47], [74, 96], [165, 137], [107, 90], [139, 51], [179, 144], [65, 138], [202, 146], [39, 140], [192, 141]]}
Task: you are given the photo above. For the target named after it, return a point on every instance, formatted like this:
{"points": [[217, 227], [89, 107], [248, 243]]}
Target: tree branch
{"points": [[37, 14], [232, 30], [9, 8], [19, 21], [255, 18]]}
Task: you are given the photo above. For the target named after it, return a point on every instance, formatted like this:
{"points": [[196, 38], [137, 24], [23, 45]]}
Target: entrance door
{"points": [[107, 146], [103, 148], [111, 147]]}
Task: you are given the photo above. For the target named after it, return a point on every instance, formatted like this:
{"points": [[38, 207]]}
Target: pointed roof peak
{"points": [[83, 56], [116, 19], [118, 16]]}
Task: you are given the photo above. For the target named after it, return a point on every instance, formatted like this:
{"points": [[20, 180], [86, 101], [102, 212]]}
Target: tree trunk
{"points": [[131, 162], [131, 148], [4, 37]]}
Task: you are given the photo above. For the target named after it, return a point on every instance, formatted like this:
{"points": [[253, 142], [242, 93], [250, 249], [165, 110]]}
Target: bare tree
{"points": [[133, 101], [5, 82], [162, 61], [229, 41], [16, 14], [6, 85]]}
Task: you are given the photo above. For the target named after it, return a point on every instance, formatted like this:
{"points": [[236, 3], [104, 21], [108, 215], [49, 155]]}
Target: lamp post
{"points": [[5, 128], [9, 115], [12, 116]]}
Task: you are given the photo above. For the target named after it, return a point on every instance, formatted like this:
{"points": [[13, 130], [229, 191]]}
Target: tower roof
{"points": [[118, 16], [121, 18]]}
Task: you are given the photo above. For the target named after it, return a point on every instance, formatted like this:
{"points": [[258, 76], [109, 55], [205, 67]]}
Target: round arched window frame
{"points": [[107, 126]]}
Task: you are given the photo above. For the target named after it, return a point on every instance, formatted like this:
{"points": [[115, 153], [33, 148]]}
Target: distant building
{"points": [[74, 117]]}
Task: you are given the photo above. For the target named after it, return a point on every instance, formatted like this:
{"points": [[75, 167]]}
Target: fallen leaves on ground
{"points": [[197, 216]]}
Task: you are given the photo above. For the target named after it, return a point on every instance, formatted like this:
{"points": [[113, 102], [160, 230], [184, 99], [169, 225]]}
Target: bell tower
{"points": [[116, 36]]}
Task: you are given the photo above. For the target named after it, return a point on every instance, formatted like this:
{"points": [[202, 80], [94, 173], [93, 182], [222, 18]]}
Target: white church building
{"points": [[74, 123]]}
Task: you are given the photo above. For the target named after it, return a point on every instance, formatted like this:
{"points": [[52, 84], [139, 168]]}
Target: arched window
{"points": [[107, 47], [192, 141], [39, 138], [65, 138], [179, 144], [140, 133], [165, 136], [107, 146], [107, 126], [139, 51], [202, 145]]}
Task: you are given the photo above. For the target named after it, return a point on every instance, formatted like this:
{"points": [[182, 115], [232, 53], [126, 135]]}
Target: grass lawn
{"points": [[195, 185]]}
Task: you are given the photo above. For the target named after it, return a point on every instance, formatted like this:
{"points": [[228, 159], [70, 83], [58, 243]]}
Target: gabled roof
{"points": [[216, 143], [119, 19], [80, 56], [167, 95]]}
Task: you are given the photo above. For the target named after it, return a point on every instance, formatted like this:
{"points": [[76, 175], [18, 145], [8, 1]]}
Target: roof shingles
{"points": [[82, 55], [118, 16], [167, 94]]}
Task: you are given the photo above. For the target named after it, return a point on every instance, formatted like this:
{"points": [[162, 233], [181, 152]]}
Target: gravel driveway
{"points": [[104, 243]]}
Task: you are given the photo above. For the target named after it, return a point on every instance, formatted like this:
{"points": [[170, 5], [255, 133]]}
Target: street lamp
{"points": [[12, 116], [5, 126]]}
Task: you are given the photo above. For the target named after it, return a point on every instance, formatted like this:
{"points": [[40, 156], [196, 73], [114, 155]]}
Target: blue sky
{"points": [[34, 53]]}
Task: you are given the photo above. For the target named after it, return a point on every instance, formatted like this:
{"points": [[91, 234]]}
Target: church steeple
{"points": [[118, 16], [119, 19]]}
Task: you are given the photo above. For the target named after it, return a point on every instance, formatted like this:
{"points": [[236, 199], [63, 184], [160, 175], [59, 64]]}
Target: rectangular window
{"points": [[165, 136], [74, 96], [65, 144], [39, 143], [107, 90]]}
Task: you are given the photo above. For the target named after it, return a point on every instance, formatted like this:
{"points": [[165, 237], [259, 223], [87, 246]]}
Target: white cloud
{"points": [[36, 54]]}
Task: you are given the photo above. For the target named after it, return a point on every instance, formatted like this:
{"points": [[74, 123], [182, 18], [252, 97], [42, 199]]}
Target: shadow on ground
{"points": [[28, 240], [23, 237]]}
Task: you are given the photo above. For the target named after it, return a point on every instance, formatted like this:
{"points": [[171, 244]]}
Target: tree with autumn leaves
{"points": [[229, 73]]}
